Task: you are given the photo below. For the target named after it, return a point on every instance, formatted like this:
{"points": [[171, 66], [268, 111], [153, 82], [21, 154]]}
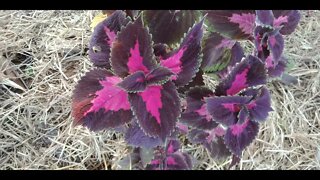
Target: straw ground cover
{"points": [[47, 51]]}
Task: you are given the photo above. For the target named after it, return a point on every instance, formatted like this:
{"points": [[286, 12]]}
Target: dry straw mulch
{"points": [[48, 51]]}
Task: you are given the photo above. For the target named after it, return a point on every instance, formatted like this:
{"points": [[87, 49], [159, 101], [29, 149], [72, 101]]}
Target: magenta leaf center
{"points": [[135, 62], [110, 97], [239, 83], [152, 97]]}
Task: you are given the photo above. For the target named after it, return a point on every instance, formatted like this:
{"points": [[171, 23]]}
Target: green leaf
{"points": [[146, 156], [221, 64]]}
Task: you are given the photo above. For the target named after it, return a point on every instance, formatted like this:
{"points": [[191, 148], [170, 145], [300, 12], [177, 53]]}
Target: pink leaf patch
{"points": [[269, 62], [279, 21], [260, 106], [249, 72], [171, 161], [203, 112], [98, 103], [237, 129], [111, 35], [233, 107], [174, 63], [196, 114], [132, 50], [183, 128], [157, 109], [264, 18], [245, 21], [234, 24], [251, 105], [276, 45], [184, 62], [239, 83], [225, 109], [272, 40], [173, 146], [111, 97], [288, 19], [152, 97], [135, 62], [238, 137]]}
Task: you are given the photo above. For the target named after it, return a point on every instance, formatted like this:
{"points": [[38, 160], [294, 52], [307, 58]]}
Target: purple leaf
{"points": [[188, 160], [249, 72], [196, 81], [171, 159], [157, 109], [98, 103], [237, 54], [196, 114], [211, 140], [138, 81], [184, 62], [198, 136], [220, 54], [264, 17], [173, 146], [269, 44], [136, 137], [132, 50], [234, 24], [225, 109], [134, 83], [260, 106], [174, 63], [239, 136], [120, 129], [168, 26], [278, 70], [205, 136], [243, 114], [261, 41], [214, 49], [276, 45], [175, 161], [288, 19], [158, 76], [102, 38], [217, 149], [195, 97]]}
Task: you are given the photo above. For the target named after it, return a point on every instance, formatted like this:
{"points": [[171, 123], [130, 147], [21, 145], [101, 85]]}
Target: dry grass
{"points": [[50, 49]]}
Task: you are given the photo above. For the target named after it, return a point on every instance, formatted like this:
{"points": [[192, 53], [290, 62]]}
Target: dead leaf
{"points": [[10, 75], [97, 19]]}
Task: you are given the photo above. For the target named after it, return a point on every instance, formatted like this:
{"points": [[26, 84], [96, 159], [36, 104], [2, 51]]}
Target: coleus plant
{"points": [[148, 81]]}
